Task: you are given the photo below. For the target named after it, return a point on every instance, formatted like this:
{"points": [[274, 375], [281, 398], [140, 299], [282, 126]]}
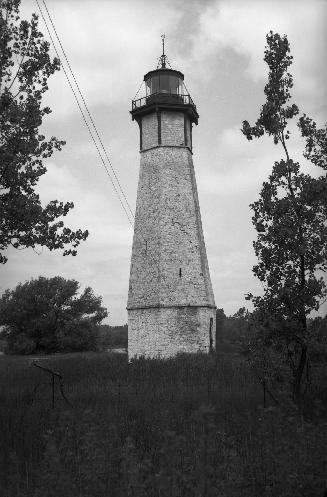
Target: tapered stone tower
{"points": [[171, 306]]}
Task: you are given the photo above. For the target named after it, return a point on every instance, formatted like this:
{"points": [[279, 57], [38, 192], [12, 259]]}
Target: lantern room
{"points": [[164, 90], [164, 80]]}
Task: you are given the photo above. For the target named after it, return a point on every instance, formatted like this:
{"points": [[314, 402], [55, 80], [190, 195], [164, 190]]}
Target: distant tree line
{"points": [[231, 328], [239, 327], [112, 337], [46, 315]]}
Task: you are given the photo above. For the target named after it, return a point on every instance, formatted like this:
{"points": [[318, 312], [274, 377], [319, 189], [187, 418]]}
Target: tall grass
{"points": [[189, 426]]}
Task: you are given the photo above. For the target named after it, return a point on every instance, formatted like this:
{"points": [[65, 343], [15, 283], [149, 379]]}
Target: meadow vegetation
{"points": [[190, 426]]}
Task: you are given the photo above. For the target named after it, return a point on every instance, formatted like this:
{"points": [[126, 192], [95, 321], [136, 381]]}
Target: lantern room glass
{"points": [[164, 83]]}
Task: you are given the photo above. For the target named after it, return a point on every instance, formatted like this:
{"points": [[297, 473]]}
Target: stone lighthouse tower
{"points": [[171, 306]]}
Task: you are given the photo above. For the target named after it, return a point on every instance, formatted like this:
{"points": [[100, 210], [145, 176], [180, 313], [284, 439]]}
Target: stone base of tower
{"points": [[166, 331]]}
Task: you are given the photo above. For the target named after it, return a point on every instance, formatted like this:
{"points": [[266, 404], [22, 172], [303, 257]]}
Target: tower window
{"points": [[180, 272]]}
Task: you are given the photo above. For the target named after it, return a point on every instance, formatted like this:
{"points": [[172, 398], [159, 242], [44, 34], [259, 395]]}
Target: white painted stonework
{"points": [[171, 306]]}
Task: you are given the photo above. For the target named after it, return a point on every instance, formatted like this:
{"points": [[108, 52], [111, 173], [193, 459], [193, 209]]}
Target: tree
{"points": [[290, 218], [46, 315], [220, 320], [25, 67], [235, 327]]}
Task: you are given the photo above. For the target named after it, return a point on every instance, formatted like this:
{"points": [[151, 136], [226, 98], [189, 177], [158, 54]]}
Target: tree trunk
{"points": [[299, 374], [303, 356]]}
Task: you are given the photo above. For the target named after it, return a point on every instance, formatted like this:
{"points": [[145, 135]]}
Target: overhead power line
{"points": [[87, 110], [118, 189]]}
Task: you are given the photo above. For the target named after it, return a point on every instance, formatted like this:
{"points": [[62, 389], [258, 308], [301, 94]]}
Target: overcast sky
{"points": [[219, 46]]}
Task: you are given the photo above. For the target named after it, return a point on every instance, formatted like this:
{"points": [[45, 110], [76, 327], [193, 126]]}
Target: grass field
{"points": [[190, 426]]}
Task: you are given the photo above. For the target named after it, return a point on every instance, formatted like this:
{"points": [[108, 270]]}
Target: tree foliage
{"points": [[220, 320], [290, 218], [25, 66], [46, 315]]}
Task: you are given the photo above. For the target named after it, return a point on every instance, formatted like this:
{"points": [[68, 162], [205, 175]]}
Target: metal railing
{"points": [[162, 97]]}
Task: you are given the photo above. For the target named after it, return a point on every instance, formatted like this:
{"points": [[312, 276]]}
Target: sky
{"points": [[219, 46]]}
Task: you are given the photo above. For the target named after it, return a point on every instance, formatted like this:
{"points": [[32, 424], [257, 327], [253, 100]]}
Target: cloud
{"points": [[242, 26], [109, 46], [240, 166], [229, 179], [103, 259], [91, 207]]}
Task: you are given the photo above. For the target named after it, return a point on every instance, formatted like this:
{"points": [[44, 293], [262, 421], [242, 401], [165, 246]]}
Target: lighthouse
{"points": [[171, 305]]}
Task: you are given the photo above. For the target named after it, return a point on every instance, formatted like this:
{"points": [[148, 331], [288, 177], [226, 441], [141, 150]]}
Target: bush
{"points": [[21, 345], [47, 315]]}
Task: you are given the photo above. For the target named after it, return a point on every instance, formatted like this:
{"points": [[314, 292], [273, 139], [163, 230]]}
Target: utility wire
{"points": [[84, 118], [87, 110], [138, 235]]}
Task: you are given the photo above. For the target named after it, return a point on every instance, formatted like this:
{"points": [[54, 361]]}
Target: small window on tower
{"points": [[180, 272]]}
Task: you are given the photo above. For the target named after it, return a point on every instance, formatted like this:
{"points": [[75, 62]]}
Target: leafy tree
{"points": [[25, 67], [290, 218], [220, 320], [235, 327], [46, 315]]}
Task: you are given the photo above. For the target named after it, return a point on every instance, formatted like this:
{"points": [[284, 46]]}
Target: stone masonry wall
{"points": [[169, 263], [172, 130], [163, 332], [149, 131], [170, 290]]}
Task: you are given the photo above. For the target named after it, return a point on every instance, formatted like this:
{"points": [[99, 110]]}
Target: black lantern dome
{"points": [[164, 90], [164, 81]]}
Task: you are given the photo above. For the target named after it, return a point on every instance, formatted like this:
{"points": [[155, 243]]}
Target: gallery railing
{"points": [[162, 97]]}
